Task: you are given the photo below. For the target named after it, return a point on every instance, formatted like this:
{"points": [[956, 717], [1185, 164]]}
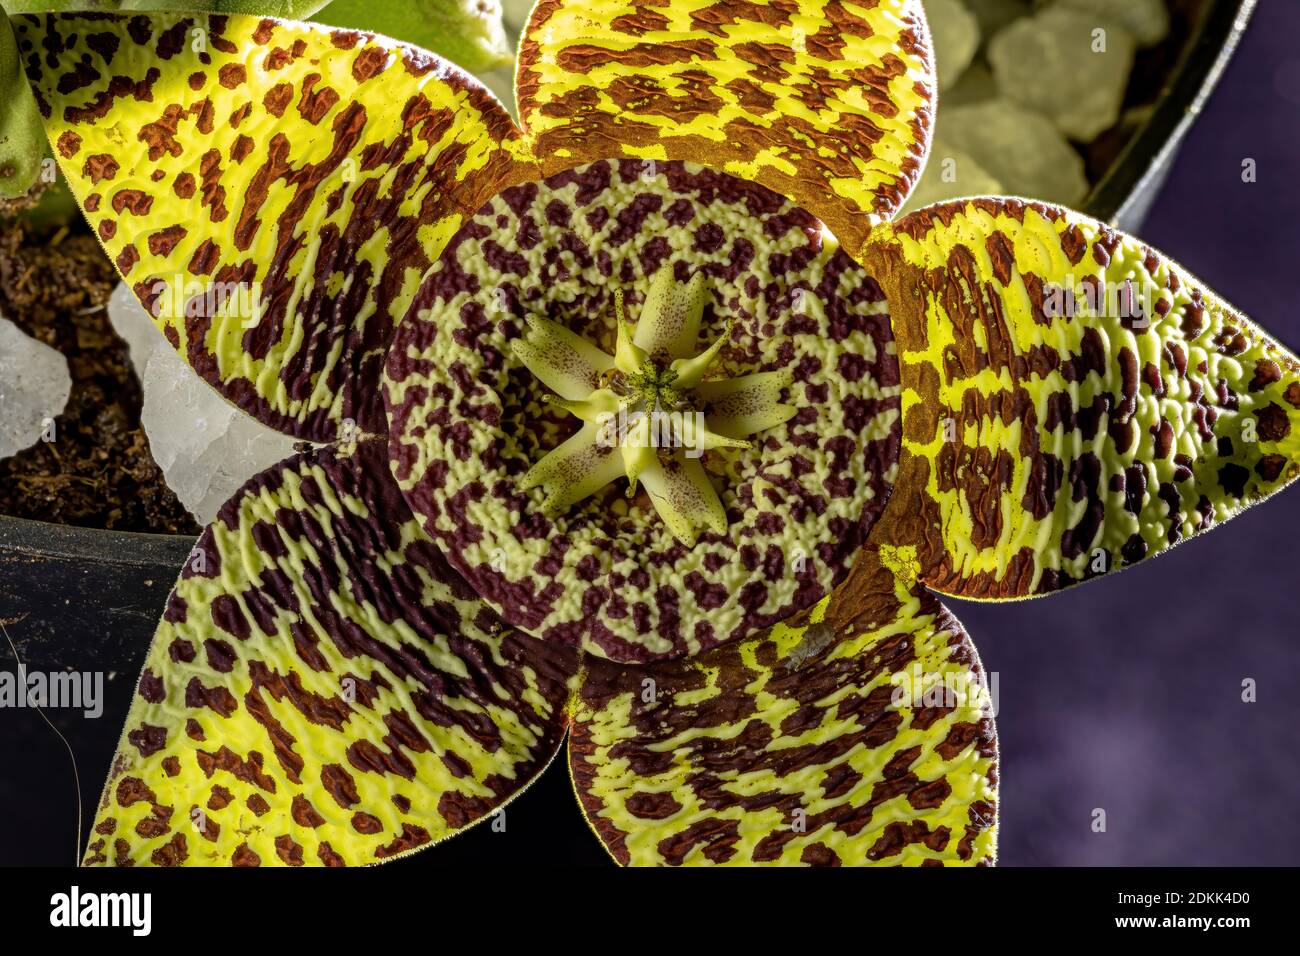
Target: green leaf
{"points": [[283, 9], [15, 7], [22, 137], [467, 32]]}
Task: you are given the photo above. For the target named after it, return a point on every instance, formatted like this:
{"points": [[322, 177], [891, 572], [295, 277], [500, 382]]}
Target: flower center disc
{"points": [[648, 406], [499, 374]]}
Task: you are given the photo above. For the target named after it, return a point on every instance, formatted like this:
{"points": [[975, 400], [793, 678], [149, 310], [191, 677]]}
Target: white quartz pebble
{"points": [[1148, 20], [993, 15], [34, 388], [206, 447], [1019, 148], [951, 172], [976, 84], [1070, 66], [956, 37]]}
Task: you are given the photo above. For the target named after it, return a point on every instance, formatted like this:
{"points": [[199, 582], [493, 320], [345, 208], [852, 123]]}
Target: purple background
{"points": [[1125, 694]]}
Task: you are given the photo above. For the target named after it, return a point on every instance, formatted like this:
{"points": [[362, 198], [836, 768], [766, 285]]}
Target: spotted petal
{"points": [[1073, 401], [828, 102], [577, 469], [684, 497], [323, 689], [271, 191], [608, 573], [565, 362], [861, 734], [751, 403], [669, 325]]}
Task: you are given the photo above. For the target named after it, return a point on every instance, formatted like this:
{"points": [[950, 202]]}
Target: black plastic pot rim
{"points": [[95, 545], [1149, 152]]}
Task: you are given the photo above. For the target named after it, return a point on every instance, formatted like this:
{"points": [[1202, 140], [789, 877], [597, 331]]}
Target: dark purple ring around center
{"points": [[467, 420]]}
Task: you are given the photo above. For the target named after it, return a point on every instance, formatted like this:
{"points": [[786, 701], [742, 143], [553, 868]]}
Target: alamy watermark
{"points": [[1134, 303], [54, 690], [656, 429], [133, 911], [184, 298], [958, 690]]}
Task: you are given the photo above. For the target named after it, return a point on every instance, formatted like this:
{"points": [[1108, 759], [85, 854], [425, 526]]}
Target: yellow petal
{"points": [[695, 437], [575, 470], [746, 405], [669, 324], [684, 497], [728, 85], [565, 362], [628, 356], [690, 371], [597, 408], [639, 452], [191, 168]]}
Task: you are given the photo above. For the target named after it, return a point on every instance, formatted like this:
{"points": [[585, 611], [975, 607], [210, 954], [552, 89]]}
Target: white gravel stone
{"points": [[1148, 20], [951, 173], [993, 15], [1048, 63], [34, 388], [132, 323], [956, 37], [206, 447], [1019, 148], [975, 86]]}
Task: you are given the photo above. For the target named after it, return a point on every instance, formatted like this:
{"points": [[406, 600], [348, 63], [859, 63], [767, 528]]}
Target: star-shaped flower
{"points": [[643, 408], [383, 640]]}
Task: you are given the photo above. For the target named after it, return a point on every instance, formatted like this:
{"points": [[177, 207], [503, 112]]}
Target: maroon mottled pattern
{"points": [[291, 188], [338, 564], [635, 579]]}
